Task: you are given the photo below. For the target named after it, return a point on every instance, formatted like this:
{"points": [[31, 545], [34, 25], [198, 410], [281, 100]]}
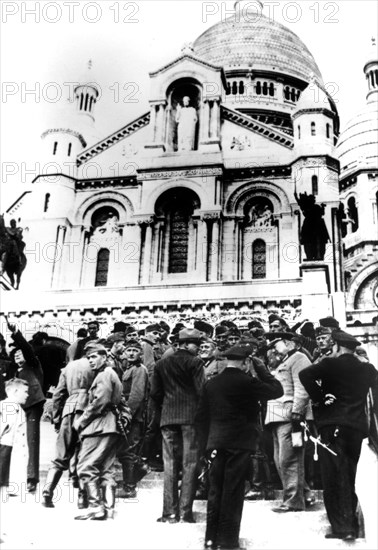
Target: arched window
{"points": [[328, 131], [353, 213], [299, 132], [314, 185], [241, 87], [102, 267], [55, 147], [313, 129], [86, 102], [265, 88], [81, 101], [376, 77], [234, 88], [258, 259], [293, 94], [271, 89], [46, 204], [258, 87], [287, 92], [69, 149], [228, 88]]}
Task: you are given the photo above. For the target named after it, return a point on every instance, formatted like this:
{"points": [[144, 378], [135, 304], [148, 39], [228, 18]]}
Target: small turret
{"points": [[371, 73]]}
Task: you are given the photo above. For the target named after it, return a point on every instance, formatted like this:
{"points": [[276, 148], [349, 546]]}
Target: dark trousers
{"points": [[33, 417], [5, 460], [66, 443], [339, 475], [177, 438], [129, 452], [152, 442], [96, 459], [226, 496]]}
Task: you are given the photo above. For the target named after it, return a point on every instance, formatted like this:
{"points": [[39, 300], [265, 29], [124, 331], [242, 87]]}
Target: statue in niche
{"points": [[314, 234], [260, 215], [186, 119], [106, 225]]}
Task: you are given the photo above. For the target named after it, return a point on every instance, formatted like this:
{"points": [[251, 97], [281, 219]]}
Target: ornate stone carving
{"points": [[192, 172], [146, 220], [210, 215], [240, 143]]}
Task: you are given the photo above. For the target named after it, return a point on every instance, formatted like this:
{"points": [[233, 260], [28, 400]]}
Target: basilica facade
{"points": [[225, 194]]}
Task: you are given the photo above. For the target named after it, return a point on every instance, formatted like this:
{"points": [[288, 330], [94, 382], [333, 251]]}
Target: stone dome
{"points": [[313, 97], [258, 44], [358, 143]]}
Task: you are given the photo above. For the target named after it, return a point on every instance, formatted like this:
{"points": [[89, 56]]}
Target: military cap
{"points": [[221, 329], [255, 324], [130, 329], [133, 344], [115, 337], [207, 340], [322, 330], [233, 332], [329, 322], [95, 347], [119, 326], [178, 326], [203, 326], [279, 336], [153, 328], [256, 332], [227, 323], [274, 317], [247, 339], [165, 327], [238, 352], [189, 335], [345, 340]]}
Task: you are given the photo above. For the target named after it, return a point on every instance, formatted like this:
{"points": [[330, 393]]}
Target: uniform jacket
{"points": [[135, 389], [148, 358], [176, 387], [104, 394], [72, 392], [349, 380], [227, 415], [295, 398], [117, 364], [31, 371]]}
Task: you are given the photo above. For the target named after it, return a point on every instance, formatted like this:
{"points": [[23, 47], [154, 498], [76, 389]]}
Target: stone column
{"points": [[153, 123], [131, 254], [205, 120], [214, 249], [214, 130], [59, 253], [147, 249], [202, 248]]}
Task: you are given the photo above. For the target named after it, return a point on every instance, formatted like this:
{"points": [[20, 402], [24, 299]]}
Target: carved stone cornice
{"points": [[145, 220], [172, 174], [210, 216], [66, 131], [106, 182]]}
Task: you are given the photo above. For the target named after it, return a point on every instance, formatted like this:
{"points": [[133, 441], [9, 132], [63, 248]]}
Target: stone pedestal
{"points": [[316, 300]]}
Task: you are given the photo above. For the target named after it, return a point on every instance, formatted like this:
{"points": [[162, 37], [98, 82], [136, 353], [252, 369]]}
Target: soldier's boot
{"points": [[129, 486], [109, 499], [82, 498], [52, 480], [96, 510]]}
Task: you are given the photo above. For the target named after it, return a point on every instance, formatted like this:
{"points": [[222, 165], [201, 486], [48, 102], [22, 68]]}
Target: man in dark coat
{"points": [[338, 387], [99, 433], [30, 370], [93, 329], [69, 402], [227, 417], [176, 386]]}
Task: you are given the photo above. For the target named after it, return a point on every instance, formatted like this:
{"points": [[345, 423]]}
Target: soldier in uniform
{"points": [[99, 434], [135, 392], [339, 402], [69, 402], [116, 343]]}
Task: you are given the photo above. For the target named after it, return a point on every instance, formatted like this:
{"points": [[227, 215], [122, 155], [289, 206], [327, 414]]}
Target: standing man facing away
{"points": [[176, 387], [338, 387], [227, 417]]}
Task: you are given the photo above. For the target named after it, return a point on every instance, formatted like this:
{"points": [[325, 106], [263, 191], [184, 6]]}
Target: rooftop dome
{"points": [[313, 97], [256, 43], [358, 144]]}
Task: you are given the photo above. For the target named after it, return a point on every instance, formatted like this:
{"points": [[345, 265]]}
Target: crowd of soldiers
{"points": [[209, 406]]}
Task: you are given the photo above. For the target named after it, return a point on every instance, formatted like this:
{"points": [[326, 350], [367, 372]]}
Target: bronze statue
{"points": [[12, 257], [314, 235]]}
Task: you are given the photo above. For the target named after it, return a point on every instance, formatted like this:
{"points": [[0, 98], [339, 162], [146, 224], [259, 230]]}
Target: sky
{"points": [[45, 47]]}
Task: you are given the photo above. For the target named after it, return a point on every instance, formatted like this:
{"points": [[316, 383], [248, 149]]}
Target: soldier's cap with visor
{"points": [[203, 326], [274, 337], [345, 340], [221, 330], [329, 322], [238, 352], [133, 344], [190, 335], [95, 347], [130, 330], [319, 331]]}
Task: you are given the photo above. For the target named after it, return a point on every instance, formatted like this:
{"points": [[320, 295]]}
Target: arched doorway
{"points": [[176, 236]]}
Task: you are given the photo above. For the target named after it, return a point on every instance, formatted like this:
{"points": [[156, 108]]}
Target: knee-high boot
{"points": [[96, 510], [109, 499], [52, 480]]}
